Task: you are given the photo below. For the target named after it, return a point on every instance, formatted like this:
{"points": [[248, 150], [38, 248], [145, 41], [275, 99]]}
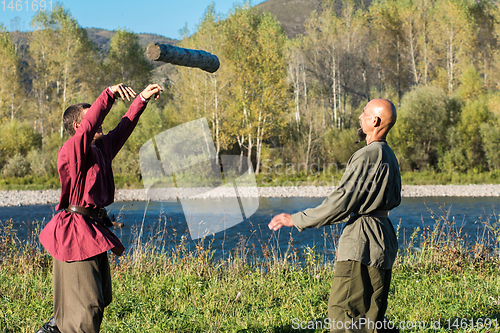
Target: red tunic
{"points": [[87, 180]]}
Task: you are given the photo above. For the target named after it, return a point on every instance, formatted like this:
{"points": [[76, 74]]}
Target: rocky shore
{"points": [[22, 198]]}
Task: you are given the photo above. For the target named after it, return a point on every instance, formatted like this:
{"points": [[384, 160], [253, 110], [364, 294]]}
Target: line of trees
{"points": [[274, 98]]}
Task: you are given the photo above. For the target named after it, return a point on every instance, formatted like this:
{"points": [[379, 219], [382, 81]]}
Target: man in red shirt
{"points": [[78, 236]]}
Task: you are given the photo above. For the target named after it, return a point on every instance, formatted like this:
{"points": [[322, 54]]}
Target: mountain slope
{"points": [[292, 14], [103, 37]]}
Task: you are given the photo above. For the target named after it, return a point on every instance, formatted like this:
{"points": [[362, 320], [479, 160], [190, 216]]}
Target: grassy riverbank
{"points": [[279, 178], [439, 278]]}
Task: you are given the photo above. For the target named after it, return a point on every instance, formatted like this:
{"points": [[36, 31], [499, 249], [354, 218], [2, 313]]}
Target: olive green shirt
{"points": [[370, 182]]}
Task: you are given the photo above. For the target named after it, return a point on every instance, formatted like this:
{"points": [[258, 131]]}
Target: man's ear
{"points": [[376, 121], [76, 125]]}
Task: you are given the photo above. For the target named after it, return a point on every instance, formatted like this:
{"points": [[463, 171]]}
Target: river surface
{"points": [[162, 226]]}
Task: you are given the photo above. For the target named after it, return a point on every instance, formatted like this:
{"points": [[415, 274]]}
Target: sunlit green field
{"points": [[439, 282]]}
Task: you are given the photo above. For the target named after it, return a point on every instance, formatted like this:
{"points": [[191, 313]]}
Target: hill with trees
{"points": [[293, 14], [102, 38]]}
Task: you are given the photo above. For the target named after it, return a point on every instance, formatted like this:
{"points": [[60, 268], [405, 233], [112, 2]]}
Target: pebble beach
{"points": [[23, 198]]}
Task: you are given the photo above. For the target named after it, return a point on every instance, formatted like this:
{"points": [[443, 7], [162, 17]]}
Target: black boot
{"points": [[49, 327]]}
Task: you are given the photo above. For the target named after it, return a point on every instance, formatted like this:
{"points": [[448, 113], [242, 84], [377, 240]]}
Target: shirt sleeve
{"points": [[344, 200], [90, 124], [117, 137]]}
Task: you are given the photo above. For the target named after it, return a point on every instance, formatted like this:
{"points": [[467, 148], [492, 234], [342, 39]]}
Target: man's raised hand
{"points": [[281, 220], [121, 90], [150, 90]]}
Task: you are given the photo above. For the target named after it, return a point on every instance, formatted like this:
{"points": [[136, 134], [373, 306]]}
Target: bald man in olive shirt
{"points": [[369, 188]]}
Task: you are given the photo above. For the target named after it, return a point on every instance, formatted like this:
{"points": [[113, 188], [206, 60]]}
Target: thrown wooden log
{"points": [[183, 57]]}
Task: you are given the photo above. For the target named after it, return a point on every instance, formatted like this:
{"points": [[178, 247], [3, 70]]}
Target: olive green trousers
{"points": [[82, 289], [358, 299]]}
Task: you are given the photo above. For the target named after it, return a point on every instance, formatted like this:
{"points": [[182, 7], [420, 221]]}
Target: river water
{"points": [[162, 226]]}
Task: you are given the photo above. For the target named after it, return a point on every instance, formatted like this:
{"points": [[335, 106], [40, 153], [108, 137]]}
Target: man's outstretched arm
{"points": [[117, 137], [281, 220]]}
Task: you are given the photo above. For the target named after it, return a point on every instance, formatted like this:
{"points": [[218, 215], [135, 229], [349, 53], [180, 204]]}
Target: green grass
{"points": [[29, 183], [279, 178], [332, 178], [439, 278], [439, 178]]}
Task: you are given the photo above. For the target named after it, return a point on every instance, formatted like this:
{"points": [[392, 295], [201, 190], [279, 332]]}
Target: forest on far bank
{"points": [[285, 103]]}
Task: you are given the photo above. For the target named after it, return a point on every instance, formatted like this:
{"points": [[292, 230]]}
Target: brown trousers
{"points": [[358, 299], [82, 289]]}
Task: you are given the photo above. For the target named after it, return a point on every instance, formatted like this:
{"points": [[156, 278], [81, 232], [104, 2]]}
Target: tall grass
{"points": [[439, 275]]}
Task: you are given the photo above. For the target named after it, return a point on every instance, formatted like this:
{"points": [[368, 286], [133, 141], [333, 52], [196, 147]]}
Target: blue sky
{"points": [[165, 18]]}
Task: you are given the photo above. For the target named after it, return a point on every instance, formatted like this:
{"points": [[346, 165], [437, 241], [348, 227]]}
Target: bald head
{"points": [[384, 109], [377, 119]]}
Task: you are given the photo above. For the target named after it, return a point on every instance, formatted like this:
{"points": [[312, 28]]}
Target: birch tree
{"points": [[305, 117], [201, 94], [337, 57], [11, 89], [254, 45], [411, 27], [389, 38], [486, 21], [63, 61], [451, 40]]}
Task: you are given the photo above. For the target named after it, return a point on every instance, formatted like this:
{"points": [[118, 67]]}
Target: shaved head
{"points": [[377, 119], [384, 109]]}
